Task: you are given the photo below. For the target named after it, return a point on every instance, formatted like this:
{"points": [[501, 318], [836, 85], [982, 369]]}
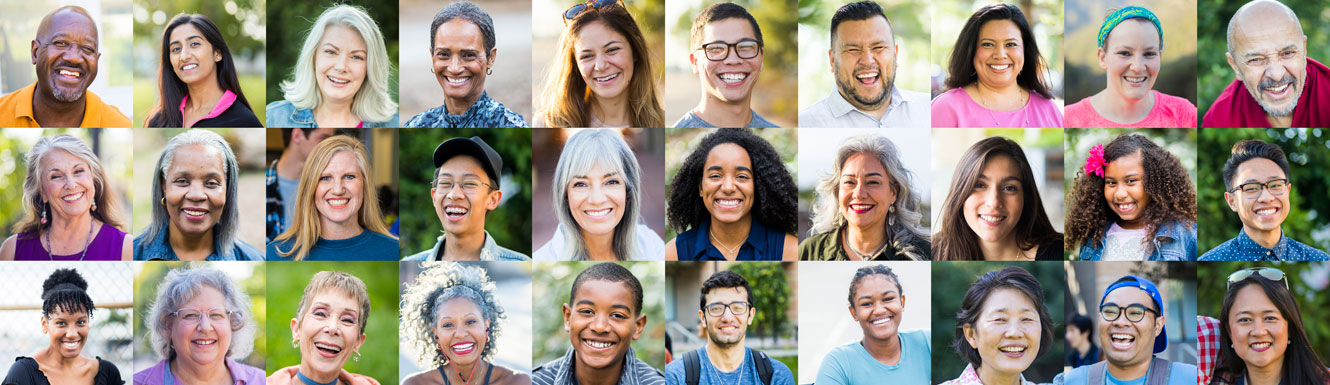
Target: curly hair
{"points": [[1172, 196], [438, 283], [777, 205]]}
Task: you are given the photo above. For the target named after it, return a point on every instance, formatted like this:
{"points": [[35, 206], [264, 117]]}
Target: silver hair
{"points": [[827, 216], [438, 283], [181, 286], [224, 232], [372, 102], [104, 198], [607, 149]]}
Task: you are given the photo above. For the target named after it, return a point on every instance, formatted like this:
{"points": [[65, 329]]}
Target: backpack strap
{"points": [[1158, 371], [764, 371], [692, 367], [1095, 373]]}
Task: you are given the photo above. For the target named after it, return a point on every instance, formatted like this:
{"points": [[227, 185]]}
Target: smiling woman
{"points": [[69, 213], [67, 319], [1001, 328], [196, 61], [996, 75], [452, 318], [328, 329], [201, 322]]}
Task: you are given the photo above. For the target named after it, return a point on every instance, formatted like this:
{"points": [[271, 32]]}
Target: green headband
{"points": [[1128, 13]]}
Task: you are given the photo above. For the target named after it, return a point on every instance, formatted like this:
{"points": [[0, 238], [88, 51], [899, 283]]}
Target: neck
{"points": [[204, 94], [887, 351], [1123, 110], [611, 111], [459, 106], [1284, 122], [724, 114], [335, 113], [343, 230], [1128, 373], [864, 240], [882, 108], [591, 376], [726, 359], [50, 112], [214, 373], [322, 378], [599, 247], [1007, 98], [50, 357], [1267, 239], [188, 248], [731, 236], [1006, 250], [67, 229], [1269, 374], [992, 377], [1082, 347], [289, 165], [463, 246]]}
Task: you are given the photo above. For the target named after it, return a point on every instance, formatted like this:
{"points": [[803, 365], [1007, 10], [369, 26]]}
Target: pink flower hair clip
{"points": [[1095, 163]]}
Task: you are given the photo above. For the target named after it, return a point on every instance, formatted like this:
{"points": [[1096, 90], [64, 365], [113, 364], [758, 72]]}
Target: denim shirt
{"points": [[490, 251], [160, 250], [283, 114], [1175, 242]]}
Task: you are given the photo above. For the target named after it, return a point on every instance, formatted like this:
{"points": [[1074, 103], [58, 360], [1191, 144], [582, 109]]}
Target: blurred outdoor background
{"points": [[775, 327], [512, 347], [243, 24], [553, 282], [1042, 146], [381, 145], [1212, 30], [780, 69], [682, 141], [817, 156], [648, 145], [911, 23], [1307, 281], [952, 279], [547, 24], [18, 28], [1045, 17], [112, 146], [1086, 282], [290, 24], [509, 224], [249, 276], [1176, 17], [288, 281], [109, 285], [510, 84]]}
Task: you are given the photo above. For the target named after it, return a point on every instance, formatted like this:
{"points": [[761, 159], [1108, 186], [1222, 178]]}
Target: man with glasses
{"points": [[466, 189], [1257, 188], [727, 57], [65, 53], [1131, 331], [727, 310]]}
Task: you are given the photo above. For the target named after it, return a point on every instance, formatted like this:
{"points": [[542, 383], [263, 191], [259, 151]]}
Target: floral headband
{"points": [[1095, 163], [1122, 15]]}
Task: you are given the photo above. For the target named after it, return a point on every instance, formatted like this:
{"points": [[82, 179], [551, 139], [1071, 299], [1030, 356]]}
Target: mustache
{"points": [[1272, 83]]}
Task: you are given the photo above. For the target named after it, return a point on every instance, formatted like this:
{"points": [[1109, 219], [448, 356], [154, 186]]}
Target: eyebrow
{"points": [[191, 37], [870, 296], [334, 46], [463, 175], [606, 45], [726, 42], [1007, 179], [740, 168], [607, 175], [76, 165], [1250, 55], [865, 176], [1008, 39], [614, 306]]}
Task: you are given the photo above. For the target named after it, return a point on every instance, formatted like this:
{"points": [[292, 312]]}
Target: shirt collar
{"points": [[482, 103], [971, 377], [224, 103], [488, 251], [302, 116], [1245, 246], [92, 106], [839, 106], [757, 233], [564, 374], [160, 248]]}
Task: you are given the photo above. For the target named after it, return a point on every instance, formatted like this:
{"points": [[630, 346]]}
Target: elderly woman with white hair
{"points": [[69, 211], [867, 207], [194, 213], [598, 200], [328, 330], [341, 76], [200, 323], [450, 320]]}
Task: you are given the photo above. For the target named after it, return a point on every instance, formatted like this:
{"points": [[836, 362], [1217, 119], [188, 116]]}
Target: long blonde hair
{"points": [[373, 102], [305, 225], [104, 198], [567, 99]]}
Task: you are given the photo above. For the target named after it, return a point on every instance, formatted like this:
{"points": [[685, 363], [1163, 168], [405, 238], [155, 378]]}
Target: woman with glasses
{"points": [[200, 324], [602, 74], [1262, 339]]}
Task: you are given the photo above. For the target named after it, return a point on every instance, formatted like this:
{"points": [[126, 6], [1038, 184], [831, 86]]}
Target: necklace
{"points": [[50, 246], [1025, 98], [866, 257], [459, 372], [728, 250], [310, 381], [740, 371]]}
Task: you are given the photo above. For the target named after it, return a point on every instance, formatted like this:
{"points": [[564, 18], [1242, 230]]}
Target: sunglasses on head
{"points": [[1269, 273], [578, 9]]}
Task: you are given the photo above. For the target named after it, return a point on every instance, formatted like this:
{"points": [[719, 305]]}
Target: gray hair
{"points": [[104, 197], [224, 232], [827, 216], [607, 149], [181, 286], [470, 12], [438, 283], [372, 102]]}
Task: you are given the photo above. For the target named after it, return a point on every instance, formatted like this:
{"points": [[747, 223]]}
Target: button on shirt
{"points": [[1243, 248], [906, 109]]}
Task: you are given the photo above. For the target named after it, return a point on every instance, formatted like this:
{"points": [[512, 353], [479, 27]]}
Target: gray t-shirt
{"points": [[287, 188]]}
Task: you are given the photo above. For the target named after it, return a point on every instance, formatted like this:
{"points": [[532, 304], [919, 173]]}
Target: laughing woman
{"points": [[341, 76], [329, 329], [1131, 44], [451, 318], [981, 328], [67, 320], [69, 211], [337, 209], [196, 62]]}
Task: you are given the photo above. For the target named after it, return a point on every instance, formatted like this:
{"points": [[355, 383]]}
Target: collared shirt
{"points": [[762, 244], [691, 120], [275, 218], [649, 245], [907, 109], [1207, 348], [560, 371], [1243, 248], [16, 111], [827, 247], [160, 374], [159, 249], [971, 377], [1173, 242], [485, 113], [283, 114], [490, 251]]}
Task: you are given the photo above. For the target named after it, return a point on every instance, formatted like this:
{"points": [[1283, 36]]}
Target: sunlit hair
{"points": [[606, 149], [1300, 365], [372, 102], [106, 199], [335, 282], [438, 283], [172, 90], [567, 99], [305, 224], [1172, 195], [906, 231], [181, 286], [960, 67], [224, 232], [956, 240]]}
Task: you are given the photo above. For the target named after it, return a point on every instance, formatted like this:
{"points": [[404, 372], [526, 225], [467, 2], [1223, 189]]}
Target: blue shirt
{"points": [[763, 244], [907, 109], [1178, 374], [691, 120], [485, 113], [368, 246], [852, 365], [283, 114], [1174, 242], [746, 374], [1243, 248], [275, 219], [490, 251], [159, 249]]}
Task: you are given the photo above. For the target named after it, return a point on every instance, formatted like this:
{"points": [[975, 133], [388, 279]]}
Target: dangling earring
{"points": [[891, 215], [295, 343], [94, 205], [355, 356], [45, 207]]}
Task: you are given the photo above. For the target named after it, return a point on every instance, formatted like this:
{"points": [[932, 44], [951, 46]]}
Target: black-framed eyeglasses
{"points": [[1277, 187], [577, 9], [1269, 273], [718, 51], [1135, 312], [737, 308]]}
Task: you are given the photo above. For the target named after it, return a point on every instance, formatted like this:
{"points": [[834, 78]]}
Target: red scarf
{"points": [[1236, 108]]}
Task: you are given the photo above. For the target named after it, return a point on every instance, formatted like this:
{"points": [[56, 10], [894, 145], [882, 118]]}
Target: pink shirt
{"points": [[225, 102], [1169, 112], [955, 108]]}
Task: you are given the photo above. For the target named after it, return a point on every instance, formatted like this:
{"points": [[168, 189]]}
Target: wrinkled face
{"points": [[728, 329], [192, 58], [732, 78], [1127, 343], [996, 200], [866, 191], [338, 194], [727, 188], [1124, 189], [460, 59], [601, 323], [460, 331], [206, 338], [329, 331], [68, 331], [67, 183], [1130, 57], [66, 57], [462, 195], [339, 63], [1001, 54], [863, 58], [1007, 332], [877, 306], [597, 200], [1271, 62], [1265, 211], [1258, 330], [604, 59], [195, 189]]}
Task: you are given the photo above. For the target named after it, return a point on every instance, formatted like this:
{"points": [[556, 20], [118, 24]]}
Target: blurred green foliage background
{"points": [[952, 280], [290, 24], [551, 283], [1306, 280], [112, 146], [1211, 38], [250, 276]]}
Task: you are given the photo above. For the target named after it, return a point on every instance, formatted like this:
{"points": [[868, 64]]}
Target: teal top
{"points": [[851, 364], [368, 246]]}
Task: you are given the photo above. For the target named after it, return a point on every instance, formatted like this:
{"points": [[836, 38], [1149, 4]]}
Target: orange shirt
{"points": [[16, 111]]}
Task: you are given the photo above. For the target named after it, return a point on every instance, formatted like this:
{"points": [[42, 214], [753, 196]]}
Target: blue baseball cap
{"points": [[1161, 341]]}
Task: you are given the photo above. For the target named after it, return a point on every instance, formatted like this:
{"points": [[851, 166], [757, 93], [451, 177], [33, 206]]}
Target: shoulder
{"points": [[950, 97], [815, 114], [779, 370], [1077, 375], [1218, 253], [423, 119], [109, 372], [811, 248], [504, 375], [270, 251], [421, 378], [760, 122], [10, 247], [546, 252], [280, 106], [22, 365], [653, 248], [790, 251], [674, 371], [246, 371], [243, 251], [1081, 114]]}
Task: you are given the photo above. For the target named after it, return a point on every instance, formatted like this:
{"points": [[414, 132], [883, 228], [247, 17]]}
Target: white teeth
{"points": [[733, 77], [1279, 89], [1125, 337], [1134, 79], [190, 66], [69, 73], [462, 347], [883, 321], [71, 345], [452, 80], [339, 202], [455, 210], [1126, 206], [858, 207], [195, 212], [1260, 345], [607, 78], [599, 213], [1012, 349], [72, 197], [335, 80], [599, 345], [999, 67], [324, 346], [727, 202], [205, 342], [991, 218], [867, 75], [1268, 211]]}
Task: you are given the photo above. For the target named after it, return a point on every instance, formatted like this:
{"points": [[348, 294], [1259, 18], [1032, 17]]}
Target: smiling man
{"points": [[727, 310], [1257, 188], [466, 189], [727, 58], [603, 316], [1131, 331], [1284, 88], [65, 53]]}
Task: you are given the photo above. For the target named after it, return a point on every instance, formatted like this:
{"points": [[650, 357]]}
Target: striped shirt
{"points": [[560, 372]]}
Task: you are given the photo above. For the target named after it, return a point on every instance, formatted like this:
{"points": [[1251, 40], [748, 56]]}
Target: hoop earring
{"points": [[489, 71], [295, 343], [163, 201], [355, 356]]}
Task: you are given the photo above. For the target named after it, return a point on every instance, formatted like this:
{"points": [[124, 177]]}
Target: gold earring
{"points": [[163, 201]]}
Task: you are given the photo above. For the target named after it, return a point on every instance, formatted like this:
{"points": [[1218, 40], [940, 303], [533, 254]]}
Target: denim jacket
{"points": [[282, 114], [1175, 242]]}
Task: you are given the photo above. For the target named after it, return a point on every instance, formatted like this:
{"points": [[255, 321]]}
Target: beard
{"points": [[1271, 83], [865, 102]]}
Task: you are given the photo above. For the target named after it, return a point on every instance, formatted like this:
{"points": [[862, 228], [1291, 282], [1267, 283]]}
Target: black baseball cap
{"points": [[474, 147]]}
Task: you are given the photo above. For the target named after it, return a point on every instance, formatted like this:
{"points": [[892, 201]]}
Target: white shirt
{"points": [[650, 245], [907, 109]]}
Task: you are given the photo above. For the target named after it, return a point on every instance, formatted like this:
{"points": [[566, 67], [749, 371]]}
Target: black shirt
{"points": [[25, 371], [237, 115]]}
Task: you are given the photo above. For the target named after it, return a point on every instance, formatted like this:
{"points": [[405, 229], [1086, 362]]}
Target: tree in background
{"points": [[1306, 280], [1214, 72], [771, 297], [290, 23]]}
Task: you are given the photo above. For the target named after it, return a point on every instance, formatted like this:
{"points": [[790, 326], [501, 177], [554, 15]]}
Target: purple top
{"points": [[107, 246], [160, 374], [955, 108]]}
